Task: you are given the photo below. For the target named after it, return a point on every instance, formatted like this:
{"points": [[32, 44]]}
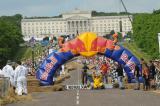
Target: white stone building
{"points": [[71, 22]]}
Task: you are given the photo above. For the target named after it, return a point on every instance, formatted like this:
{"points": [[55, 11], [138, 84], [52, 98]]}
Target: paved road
{"points": [[75, 77], [108, 97]]}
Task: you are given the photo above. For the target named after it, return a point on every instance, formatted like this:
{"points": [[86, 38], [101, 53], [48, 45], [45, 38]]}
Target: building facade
{"points": [[71, 22]]}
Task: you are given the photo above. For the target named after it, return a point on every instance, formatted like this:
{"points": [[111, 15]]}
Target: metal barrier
{"points": [[157, 65], [4, 86], [157, 80]]}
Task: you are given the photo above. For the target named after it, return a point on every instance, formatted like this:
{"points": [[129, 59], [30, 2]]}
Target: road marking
{"points": [[77, 102], [77, 97], [77, 87]]}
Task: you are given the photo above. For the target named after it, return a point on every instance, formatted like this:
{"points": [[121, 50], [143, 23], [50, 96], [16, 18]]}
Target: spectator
{"points": [[152, 74], [97, 81], [62, 72], [119, 70], [145, 73], [20, 79], [84, 74], [104, 69], [9, 72], [137, 74]]}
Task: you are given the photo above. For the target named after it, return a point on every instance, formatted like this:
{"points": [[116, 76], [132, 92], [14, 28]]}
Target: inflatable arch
{"points": [[86, 44]]}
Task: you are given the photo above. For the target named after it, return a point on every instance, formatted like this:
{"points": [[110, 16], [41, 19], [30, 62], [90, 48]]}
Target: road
{"points": [[108, 97]]}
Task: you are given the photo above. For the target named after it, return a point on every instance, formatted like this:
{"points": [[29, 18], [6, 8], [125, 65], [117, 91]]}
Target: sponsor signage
{"points": [[76, 87]]}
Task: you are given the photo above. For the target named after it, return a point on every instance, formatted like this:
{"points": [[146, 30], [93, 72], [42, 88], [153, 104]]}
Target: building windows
{"points": [[99, 25]]}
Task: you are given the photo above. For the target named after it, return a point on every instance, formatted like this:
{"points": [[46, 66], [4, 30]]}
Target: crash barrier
{"points": [[76, 87], [157, 64], [84, 87], [4, 86], [157, 80], [157, 77]]}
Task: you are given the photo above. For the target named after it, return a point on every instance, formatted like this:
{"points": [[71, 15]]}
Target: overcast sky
{"points": [[56, 7]]}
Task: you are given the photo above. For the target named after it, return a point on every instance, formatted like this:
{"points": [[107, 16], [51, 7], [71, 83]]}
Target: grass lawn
{"points": [[26, 52], [136, 51]]}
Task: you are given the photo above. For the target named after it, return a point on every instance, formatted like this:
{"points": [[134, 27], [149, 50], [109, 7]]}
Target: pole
{"points": [[126, 11], [120, 25]]}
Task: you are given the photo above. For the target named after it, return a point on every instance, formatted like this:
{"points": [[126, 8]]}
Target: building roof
{"points": [[77, 11]]}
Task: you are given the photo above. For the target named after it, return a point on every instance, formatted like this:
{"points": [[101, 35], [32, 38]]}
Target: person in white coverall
{"points": [[62, 71], [9, 72], [1, 73], [20, 79]]}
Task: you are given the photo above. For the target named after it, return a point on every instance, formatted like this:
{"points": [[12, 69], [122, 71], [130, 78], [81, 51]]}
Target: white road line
{"points": [[77, 102], [77, 97]]}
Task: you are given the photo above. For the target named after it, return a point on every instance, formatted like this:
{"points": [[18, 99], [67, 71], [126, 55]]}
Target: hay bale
{"points": [[125, 80], [32, 82], [129, 86], [132, 85], [58, 88], [72, 66], [12, 97], [115, 85], [61, 78]]}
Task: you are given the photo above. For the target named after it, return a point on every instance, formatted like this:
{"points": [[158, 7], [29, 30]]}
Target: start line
{"points": [[77, 87]]}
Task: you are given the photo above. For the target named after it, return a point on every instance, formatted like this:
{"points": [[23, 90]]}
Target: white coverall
{"points": [[1, 73], [20, 79], [9, 72], [62, 71]]}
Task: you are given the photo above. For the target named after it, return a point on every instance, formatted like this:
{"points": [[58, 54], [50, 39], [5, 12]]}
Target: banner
{"points": [[87, 44]]}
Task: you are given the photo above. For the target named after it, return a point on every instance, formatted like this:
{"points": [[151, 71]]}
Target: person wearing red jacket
{"points": [[104, 70]]}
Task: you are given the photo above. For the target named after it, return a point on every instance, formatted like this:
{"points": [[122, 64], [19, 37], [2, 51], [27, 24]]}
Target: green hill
{"points": [[136, 51], [26, 52]]}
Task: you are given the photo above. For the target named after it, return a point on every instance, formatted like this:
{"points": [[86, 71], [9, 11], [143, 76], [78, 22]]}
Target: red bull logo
{"points": [[48, 68], [88, 44]]}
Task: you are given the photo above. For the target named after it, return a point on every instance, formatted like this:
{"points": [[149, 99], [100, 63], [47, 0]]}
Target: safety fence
{"points": [[157, 65], [4, 86]]}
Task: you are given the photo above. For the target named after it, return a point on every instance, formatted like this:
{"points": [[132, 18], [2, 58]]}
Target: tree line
{"points": [[146, 27], [10, 37], [145, 32]]}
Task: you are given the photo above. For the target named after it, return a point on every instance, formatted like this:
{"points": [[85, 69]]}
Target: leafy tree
{"points": [[10, 37], [156, 11], [145, 29]]}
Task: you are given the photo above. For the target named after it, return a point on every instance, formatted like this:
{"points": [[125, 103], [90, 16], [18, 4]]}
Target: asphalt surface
{"points": [[108, 97]]}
